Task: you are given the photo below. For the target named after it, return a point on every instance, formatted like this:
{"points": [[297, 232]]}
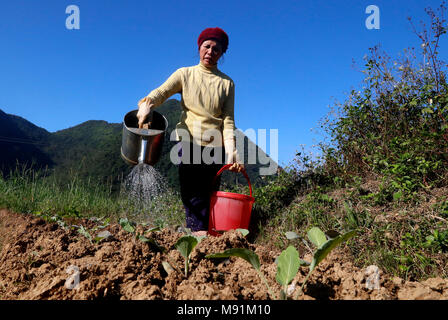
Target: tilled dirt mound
{"points": [[41, 260]]}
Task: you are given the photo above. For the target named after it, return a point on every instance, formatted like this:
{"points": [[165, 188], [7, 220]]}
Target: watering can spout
{"points": [[142, 151]]}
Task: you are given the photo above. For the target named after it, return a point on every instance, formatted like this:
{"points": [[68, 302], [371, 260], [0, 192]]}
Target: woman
{"points": [[207, 106]]}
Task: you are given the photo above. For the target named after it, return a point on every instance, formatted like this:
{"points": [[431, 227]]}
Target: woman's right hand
{"points": [[144, 109]]}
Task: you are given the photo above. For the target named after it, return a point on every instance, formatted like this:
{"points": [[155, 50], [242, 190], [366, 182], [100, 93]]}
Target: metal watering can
{"points": [[143, 145]]}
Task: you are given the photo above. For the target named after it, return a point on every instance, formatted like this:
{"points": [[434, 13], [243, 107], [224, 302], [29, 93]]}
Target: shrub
{"points": [[396, 126]]}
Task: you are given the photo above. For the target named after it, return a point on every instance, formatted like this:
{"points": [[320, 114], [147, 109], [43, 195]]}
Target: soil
{"points": [[43, 260]]}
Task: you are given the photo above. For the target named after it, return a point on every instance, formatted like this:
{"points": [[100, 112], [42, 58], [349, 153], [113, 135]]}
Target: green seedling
{"points": [[152, 242], [169, 268], [290, 235], [247, 255], [185, 245], [101, 226], [153, 229], [102, 235], [324, 247], [127, 225], [244, 232], [83, 231], [52, 218], [288, 264], [130, 227]]}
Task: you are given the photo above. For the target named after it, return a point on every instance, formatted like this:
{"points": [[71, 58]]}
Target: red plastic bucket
{"points": [[229, 210]]}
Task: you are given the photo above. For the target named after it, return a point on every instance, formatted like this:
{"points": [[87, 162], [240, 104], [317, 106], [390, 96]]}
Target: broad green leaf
{"points": [[126, 225], [84, 232], [246, 254], [102, 235], [185, 245], [290, 235], [106, 223], [317, 237], [288, 265], [301, 262], [153, 229], [244, 232], [142, 238], [326, 248], [151, 241]]}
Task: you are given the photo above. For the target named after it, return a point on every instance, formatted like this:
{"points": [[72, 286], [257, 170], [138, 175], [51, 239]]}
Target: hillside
{"points": [[21, 141], [90, 150]]}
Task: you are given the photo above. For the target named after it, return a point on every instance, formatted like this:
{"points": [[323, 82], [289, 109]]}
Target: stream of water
{"points": [[144, 183]]}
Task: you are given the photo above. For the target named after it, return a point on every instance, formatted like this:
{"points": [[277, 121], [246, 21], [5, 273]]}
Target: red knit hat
{"points": [[214, 33]]}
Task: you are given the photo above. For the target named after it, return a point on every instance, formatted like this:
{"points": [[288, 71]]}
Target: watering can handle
{"points": [[226, 167]]}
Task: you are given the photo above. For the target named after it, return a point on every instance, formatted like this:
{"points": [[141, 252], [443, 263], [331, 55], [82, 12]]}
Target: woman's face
{"points": [[210, 52]]}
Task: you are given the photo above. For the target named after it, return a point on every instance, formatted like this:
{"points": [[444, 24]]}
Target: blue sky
{"points": [[289, 60]]}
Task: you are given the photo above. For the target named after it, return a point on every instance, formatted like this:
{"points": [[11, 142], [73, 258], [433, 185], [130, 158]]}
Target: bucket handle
{"points": [[243, 171]]}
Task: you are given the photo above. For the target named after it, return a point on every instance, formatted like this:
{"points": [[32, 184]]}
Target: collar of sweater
{"points": [[213, 69]]}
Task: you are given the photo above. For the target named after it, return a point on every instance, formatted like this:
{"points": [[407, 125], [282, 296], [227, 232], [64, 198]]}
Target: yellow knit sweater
{"points": [[208, 97]]}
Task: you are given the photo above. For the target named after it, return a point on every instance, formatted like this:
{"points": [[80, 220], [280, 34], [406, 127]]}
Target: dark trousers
{"points": [[196, 185]]}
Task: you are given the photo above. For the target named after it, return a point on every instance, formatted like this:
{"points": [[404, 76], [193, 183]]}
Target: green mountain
{"points": [[90, 149], [22, 142]]}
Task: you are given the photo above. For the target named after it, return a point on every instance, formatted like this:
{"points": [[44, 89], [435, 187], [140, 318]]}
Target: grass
{"points": [[36, 192]]}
